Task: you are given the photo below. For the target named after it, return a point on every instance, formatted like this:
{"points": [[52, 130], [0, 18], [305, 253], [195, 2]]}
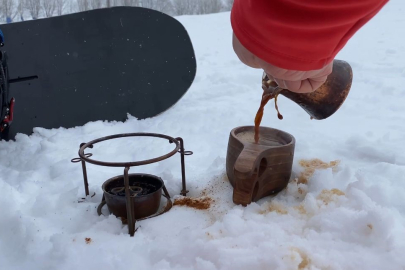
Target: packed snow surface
{"points": [[343, 208]]}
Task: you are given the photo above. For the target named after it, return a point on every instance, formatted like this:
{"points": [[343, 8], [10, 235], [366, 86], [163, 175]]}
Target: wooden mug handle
{"points": [[245, 173]]}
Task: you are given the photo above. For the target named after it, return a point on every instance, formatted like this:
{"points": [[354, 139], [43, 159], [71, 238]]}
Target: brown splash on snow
{"points": [[310, 166], [328, 196], [202, 203], [275, 207]]}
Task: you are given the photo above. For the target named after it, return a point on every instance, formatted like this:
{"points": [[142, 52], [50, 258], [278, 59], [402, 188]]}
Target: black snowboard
{"points": [[96, 65]]}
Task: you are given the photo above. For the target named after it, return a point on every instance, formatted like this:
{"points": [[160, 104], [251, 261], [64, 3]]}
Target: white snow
{"points": [[306, 226]]}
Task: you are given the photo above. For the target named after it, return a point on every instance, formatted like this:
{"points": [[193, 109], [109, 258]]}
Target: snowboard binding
{"points": [[1, 39], [7, 107]]}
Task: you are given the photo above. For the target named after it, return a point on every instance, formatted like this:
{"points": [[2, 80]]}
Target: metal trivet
{"points": [[83, 158]]}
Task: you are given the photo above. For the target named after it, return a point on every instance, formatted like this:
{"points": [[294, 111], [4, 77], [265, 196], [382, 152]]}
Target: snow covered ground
{"points": [[351, 216]]}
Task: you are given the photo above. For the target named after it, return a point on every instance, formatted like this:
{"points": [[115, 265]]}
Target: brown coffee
{"points": [[249, 137], [265, 99]]}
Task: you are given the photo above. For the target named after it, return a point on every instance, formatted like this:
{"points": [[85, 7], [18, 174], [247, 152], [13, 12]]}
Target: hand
{"points": [[293, 80]]}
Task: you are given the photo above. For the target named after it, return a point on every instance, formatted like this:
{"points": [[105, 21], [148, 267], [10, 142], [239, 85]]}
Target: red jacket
{"points": [[299, 34]]}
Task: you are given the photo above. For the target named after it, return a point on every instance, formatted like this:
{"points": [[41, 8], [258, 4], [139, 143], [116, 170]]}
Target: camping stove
{"points": [[133, 197]]}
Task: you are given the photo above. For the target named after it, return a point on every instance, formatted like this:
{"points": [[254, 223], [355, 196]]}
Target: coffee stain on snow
{"points": [[310, 166]]}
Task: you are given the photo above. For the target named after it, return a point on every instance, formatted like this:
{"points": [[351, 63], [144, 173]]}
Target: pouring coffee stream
{"points": [[271, 90], [320, 104]]}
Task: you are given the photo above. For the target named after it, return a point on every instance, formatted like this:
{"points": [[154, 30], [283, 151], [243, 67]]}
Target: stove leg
{"points": [[86, 183], [130, 209], [184, 190]]}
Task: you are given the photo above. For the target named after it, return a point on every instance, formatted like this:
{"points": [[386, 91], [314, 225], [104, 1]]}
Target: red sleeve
{"points": [[299, 34]]}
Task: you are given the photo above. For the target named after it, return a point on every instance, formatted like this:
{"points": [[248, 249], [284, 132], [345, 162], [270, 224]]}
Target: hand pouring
{"points": [[257, 170], [327, 99]]}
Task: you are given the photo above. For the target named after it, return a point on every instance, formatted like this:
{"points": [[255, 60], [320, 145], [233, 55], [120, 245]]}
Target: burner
{"points": [[145, 191], [134, 197]]}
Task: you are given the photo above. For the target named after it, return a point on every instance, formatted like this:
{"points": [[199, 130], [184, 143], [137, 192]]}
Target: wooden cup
{"points": [[258, 170]]}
